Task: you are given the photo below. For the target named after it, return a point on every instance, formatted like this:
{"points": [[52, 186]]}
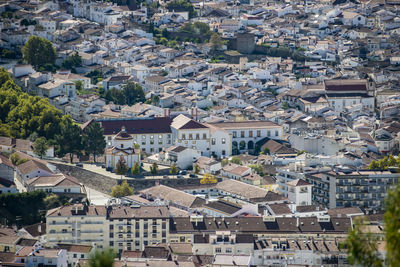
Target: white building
{"points": [[122, 149], [300, 192], [182, 156]]}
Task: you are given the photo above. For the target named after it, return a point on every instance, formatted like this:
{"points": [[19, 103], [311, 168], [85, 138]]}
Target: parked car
{"points": [[79, 165], [192, 175], [165, 177], [179, 176], [182, 172]]}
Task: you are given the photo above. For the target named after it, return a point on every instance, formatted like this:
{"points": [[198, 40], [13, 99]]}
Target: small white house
{"points": [[300, 192]]}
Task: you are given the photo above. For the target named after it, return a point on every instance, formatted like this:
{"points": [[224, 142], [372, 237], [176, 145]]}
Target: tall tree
{"points": [[154, 169], [69, 140], [102, 258], [392, 226], [173, 170], [216, 41], [93, 140], [196, 168], [40, 146], [136, 168], [39, 51], [121, 168]]}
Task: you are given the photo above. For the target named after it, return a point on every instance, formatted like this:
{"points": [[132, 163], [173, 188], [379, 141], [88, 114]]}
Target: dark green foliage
{"points": [[130, 94], [392, 226], [102, 258], [285, 52], [182, 5], [40, 146], [69, 139], [22, 114], [9, 54], [95, 75], [93, 140], [73, 61], [39, 51], [27, 22], [25, 208]]}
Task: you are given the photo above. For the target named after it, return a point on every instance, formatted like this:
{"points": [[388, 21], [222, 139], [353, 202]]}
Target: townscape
{"points": [[199, 133]]}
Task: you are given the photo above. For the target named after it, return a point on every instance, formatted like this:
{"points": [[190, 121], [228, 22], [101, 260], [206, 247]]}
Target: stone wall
{"points": [[90, 179]]}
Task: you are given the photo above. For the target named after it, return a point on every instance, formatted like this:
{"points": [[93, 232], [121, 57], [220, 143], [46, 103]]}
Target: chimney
{"points": [[194, 113], [167, 112], [40, 228]]}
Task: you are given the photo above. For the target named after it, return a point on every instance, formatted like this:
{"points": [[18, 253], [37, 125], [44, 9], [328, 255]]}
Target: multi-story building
{"points": [[286, 174], [245, 135], [366, 189], [120, 227]]}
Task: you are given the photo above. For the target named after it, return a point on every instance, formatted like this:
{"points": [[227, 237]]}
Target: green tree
{"points": [[361, 246], [40, 146], [102, 258], [94, 142], [285, 105], [182, 5], [69, 140], [136, 168], [201, 27], [173, 170], [208, 178], [121, 168], [265, 151], [392, 226], [52, 201], [73, 61], [216, 41], [196, 168], [154, 169], [236, 160], [79, 86], [16, 159], [258, 168], [39, 51], [122, 190]]}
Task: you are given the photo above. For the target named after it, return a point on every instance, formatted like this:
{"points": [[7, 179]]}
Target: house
{"points": [[173, 196], [6, 169], [58, 183], [8, 239], [207, 165], [31, 169], [57, 87], [7, 186], [182, 156], [35, 257], [76, 252], [6, 144], [300, 192], [115, 81]]}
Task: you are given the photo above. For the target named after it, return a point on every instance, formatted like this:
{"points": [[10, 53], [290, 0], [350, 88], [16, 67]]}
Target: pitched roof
{"points": [[54, 181], [4, 160], [172, 195], [241, 189], [298, 182], [345, 85], [32, 165], [182, 122], [137, 126], [246, 124], [5, 141], [75, 248]]}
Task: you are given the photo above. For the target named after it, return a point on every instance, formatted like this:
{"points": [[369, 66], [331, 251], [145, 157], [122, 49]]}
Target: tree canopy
{"points": [[22, 114], [102, 258], [130, 94], [208, 178], [73, 61], [93, 140], [182, 5], [39, 51], [122, 190], [385, 163], [40, 146], [69, 140]]}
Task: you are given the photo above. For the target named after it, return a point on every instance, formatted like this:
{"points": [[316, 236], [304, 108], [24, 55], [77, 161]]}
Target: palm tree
{"points": [[102, 258]]}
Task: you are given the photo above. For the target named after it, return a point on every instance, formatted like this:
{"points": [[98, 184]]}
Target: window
{"points": [[120, 235], [183, 136], [258, 133], [197, 136], [143, 136], [276, 133], [242, 134], [234, 134], [120, 244], [82, 256], [151, 136], [218, 250], [223, 140], [268, 133], [228, 250], [250, 133], [190, 136], [75, 255], [122, 145], [137, 243], [223, 152], [204, 136], [213, 141]]}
